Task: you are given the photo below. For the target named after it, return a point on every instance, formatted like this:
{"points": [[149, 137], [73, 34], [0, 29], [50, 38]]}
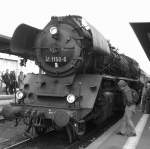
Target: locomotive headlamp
{"points": [[71, 98], [53, 30], [19, 95]]}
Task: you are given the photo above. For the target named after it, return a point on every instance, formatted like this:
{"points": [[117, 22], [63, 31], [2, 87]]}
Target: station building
{"points": [[12, 63]]}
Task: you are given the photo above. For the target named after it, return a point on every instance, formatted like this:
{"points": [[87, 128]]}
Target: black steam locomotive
{"points": [[79, 83]]}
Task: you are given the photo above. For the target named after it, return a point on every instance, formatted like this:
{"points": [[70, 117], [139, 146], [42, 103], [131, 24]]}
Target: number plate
{"points": [[55, 59]]}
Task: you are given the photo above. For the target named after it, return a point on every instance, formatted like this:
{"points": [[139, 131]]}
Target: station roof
{"points": [[4, 43], [142, 31]]}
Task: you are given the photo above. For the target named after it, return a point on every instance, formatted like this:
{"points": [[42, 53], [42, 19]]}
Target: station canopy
{"points": [[142, 31]]}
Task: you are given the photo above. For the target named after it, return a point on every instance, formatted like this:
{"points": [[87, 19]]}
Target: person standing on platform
{"points": [[127, 125], [13, 82], [145, 96], [20, 80], [6, 80]]}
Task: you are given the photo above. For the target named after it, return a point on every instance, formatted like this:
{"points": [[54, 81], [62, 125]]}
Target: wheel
{"points": [[40, 125], [40, 130], [80, 129], [76, 130]]}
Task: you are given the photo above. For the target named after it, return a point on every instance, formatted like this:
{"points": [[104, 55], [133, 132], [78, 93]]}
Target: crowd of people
{"points": [[11, 81]]}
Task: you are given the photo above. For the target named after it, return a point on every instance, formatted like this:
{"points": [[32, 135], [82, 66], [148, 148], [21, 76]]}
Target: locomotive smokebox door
{"points": [[58, 49]]}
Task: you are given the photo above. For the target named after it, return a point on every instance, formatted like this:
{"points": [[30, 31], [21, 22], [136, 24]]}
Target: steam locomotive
{"points": [[79, 80]]}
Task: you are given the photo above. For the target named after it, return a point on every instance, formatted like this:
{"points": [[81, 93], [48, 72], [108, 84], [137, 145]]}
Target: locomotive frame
{"points": [[80, 81]]}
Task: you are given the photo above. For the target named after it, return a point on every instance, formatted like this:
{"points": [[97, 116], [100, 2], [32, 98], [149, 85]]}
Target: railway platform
{"points": [[110, 140], [5, 100]]}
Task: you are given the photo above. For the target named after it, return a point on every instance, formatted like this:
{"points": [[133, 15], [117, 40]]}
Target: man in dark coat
{"points": [[145, 98], [6, 79], [13, 82]]}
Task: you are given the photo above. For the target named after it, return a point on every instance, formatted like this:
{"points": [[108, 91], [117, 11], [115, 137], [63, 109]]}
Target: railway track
{"points": [[58, 140], [13, 142], [17, 141], [17, 144]]}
